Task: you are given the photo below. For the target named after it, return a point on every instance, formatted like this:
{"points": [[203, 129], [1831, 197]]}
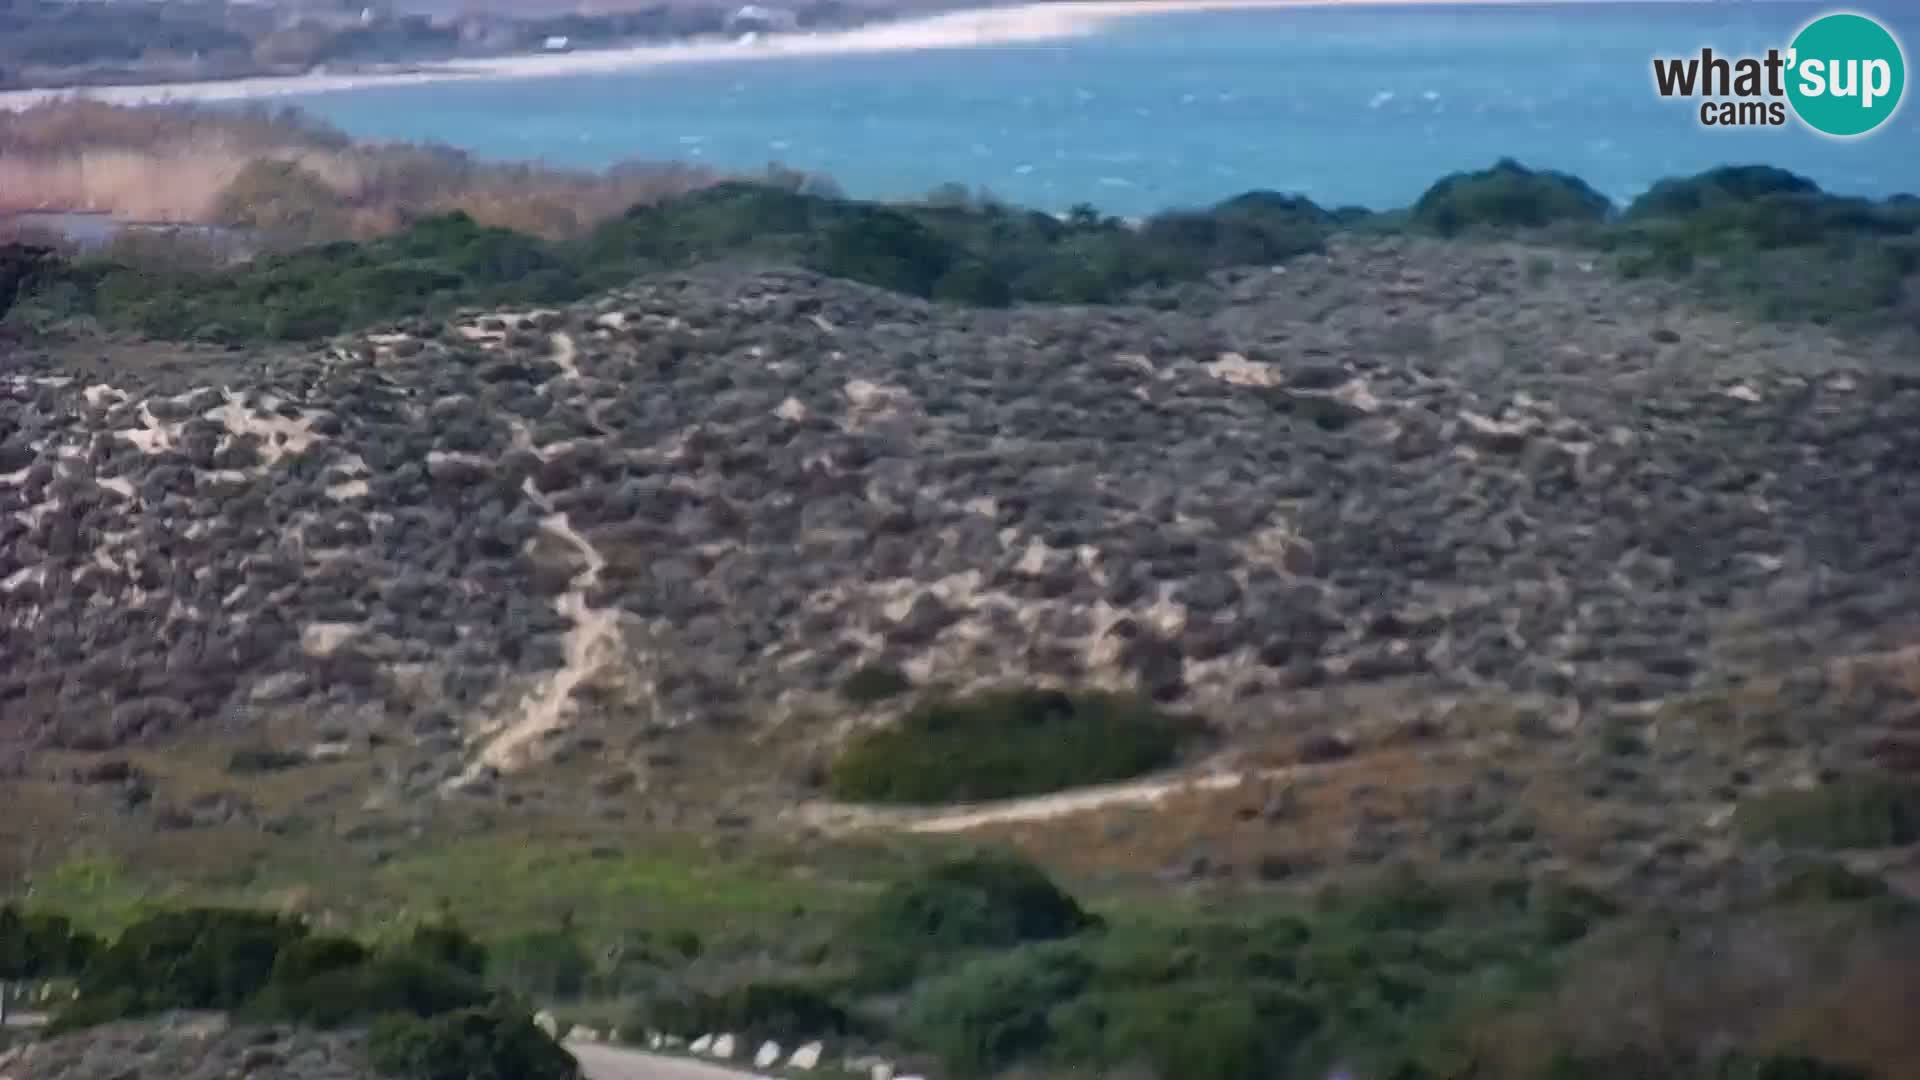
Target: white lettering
{"points": [[1813, 78], [1846, 86], [1878, 81]]}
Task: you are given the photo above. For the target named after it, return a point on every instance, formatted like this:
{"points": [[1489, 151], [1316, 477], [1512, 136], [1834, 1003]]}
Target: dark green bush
{"points": [[380, 985], [1797, 1067], [309, 957], [201, 958], [1848, 814], [1775, 242], [268, 966], [38, 944], [975, 283], [886, 248], [998, 1009], [448, 945], [1681, 196], [20, 265], [1005, 743], [1202, 1030], [1186, 1012], [1747, 234], [980, 901], [983, 899], [492, 1043], [875, 682], [976, 253], [783, 1011], [548, 964], [1509, 195], [1255, 228]]}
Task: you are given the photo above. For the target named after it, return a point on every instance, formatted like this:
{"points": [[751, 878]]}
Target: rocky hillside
{"points": [[693, 507]]}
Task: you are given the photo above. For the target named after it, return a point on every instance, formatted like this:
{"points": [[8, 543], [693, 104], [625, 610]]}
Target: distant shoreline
{"points": [[951, 30]]}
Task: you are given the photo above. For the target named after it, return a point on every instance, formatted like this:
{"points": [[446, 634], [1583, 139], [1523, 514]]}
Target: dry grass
{"points": [[174, 163], [1238, 826]]}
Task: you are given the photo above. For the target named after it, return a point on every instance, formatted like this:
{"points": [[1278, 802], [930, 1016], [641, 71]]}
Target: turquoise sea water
{"points": [[1350, 105]]}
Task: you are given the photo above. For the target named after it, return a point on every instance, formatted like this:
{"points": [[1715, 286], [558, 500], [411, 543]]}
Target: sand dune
{"points": [[962, 29]]}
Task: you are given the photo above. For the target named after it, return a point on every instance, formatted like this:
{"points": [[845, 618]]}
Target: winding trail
{"points": [[590, 643], [1033, 808]]}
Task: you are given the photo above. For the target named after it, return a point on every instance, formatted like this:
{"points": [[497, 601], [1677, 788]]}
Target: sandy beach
{"points": [[962, 29]]}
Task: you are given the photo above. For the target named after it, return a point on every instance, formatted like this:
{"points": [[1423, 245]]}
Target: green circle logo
{"points": [[1846, 75]]}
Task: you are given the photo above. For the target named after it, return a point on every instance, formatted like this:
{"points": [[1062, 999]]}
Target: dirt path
{"points": [[591, 642], [1046, 807]]}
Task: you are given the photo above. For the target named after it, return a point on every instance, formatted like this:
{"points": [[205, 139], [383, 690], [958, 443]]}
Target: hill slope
{"points": [[683, 513]]}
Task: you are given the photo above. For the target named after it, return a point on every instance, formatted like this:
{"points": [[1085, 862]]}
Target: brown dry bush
{"points": [[192, 164], [1827, 984]]}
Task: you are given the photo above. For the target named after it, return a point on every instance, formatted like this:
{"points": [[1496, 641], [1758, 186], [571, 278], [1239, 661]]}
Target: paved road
{"points": [[597, 1061], [602, 1062]]}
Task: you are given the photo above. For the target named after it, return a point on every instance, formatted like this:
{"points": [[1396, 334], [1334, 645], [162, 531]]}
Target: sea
{"points": [[1348, 105]]}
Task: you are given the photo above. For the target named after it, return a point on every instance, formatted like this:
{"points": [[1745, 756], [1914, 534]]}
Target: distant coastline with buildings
{"points": [[80, 44]]}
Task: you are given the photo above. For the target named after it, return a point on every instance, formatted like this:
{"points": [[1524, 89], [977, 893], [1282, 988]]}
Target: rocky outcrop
{"points": [[699, 500], [190, 1047]]}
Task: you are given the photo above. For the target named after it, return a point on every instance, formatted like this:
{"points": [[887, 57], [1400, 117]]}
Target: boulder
{"points": [[723, 1046], [806, 1057], [768, 1055]]}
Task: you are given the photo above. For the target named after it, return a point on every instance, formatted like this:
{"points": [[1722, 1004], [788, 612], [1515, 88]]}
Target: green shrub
{"points": [[1681, 196], [94, 1009], [447, 944], [310, 957], [998, 1009], [38, 945], [493, 1043], [380, 985], [1198, 1030], [886, 248], [1774, 242], [979, 901], [875, 682], [548, 964], [1005, 743], [1849, 814], [266, 966], [975, 283], [20, 266], [782, 1011], [1797, 1067], [201, 958], [1509, 195]]}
